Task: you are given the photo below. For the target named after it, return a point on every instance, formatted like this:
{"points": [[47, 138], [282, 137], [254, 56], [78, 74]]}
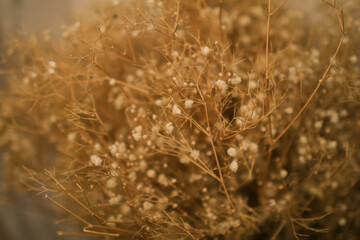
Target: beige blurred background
{"points": [[37, 15]]}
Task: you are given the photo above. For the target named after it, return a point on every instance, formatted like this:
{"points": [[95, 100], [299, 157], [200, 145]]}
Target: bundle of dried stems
{"points": [[190, 120]]}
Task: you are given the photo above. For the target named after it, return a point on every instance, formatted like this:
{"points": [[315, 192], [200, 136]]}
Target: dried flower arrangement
{"points": [[191, 120]]}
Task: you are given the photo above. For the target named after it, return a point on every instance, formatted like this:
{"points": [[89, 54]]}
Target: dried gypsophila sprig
{"points": [[148, 136]]}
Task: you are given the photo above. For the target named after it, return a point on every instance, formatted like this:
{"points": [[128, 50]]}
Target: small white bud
{"points": [[111, 183], [176, 110], [119, 102], [334, 117], [188, 103], [232, 152], [71, 136], [114, 165], [205, 51], [115, 200], [112, 82], [283, 173], [289, 110], [342, 221], [151, 173], [253, 147], [195, 154], [97, 147], [234, 166], [52, 64], [184, 160], [169, 128], [137, 133], [159, 102], [221, 84], [51, 71], [252, 85], [318, 124], [96, 160], [332, 145], [155, 128], [353, 59], [236, 80], [162, 180], [147, 206], [303, 140], [113, 150]]}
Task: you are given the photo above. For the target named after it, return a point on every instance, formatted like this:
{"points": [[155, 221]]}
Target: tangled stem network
{"points": [[190, 120]]}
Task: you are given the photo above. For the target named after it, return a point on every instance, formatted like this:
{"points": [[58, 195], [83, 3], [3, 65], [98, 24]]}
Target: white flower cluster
{"points": [[189, 103], [221, 84], [52, 66], [205, 51], [234, 166], [232, 152], [176, 110], [195, 154], [96, 160], [137, 133], [169, 127]]}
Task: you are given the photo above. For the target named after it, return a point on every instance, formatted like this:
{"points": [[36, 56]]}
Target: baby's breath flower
{"points": [[162, 180], [137, 133], [189, 103], [119, 102], [96, 160], [353, 59], [155, 129], [147, 206], [234, 166], [195, 154], [151, 173], [169, 127], [158, 102], [236, 80], [232, 152], [205, 51], [283, 173], [221, 84], [115, 199], [71, 136], [113, 149], [114, 165], [51, 71], [52, 64], [252, 85], [253, 147], [176, 110], [111, 183]]}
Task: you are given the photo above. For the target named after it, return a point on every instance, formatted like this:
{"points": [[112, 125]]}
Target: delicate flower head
{"points": [[176, 110], [232, 152], [169, 127], [221, 84], [111, 183], [236, 80], [96, 160], [195, 154], [189, 103], [205, 51], [151, 173], [234, 166], [113, 149], [137, 133]]}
